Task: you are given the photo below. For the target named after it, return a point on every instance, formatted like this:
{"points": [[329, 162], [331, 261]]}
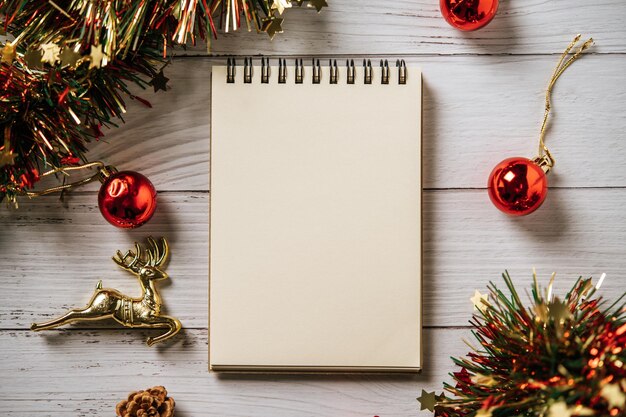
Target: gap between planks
{"points": [[425, 189], [106, 327], [389, 55]]}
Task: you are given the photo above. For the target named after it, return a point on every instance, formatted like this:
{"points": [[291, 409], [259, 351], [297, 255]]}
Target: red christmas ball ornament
{"points": [[126, 199], [468, 14], [517, 186]]}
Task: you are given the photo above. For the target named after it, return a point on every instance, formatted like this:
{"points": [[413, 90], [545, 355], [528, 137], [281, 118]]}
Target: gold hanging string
{"points": [[65, 171], [545, 158]]}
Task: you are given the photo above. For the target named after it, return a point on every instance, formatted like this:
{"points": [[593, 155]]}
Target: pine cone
{"points": [[152, 402]]}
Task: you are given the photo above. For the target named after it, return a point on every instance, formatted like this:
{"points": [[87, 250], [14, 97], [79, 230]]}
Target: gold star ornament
{"points": [[559, 311], [281, 5], [32, 57], [272, 25], [68, 57], [427, 400], [8, 53], [97, 57], [159, 82], [50, 53], [480, 301]]}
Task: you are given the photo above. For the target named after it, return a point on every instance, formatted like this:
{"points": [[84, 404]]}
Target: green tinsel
{"points": [[66, 67], [551, 359]]}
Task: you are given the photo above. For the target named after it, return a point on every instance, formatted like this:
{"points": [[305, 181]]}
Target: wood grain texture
{"points": [[79, 372], [61, 254], [477, 111], [416, 27], [483, 102]]}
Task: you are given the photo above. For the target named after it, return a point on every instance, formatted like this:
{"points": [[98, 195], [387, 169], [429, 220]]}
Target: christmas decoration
{"points": [[552, 358], [468, 14], [66, 68], [126, 199], [518, 186], [152, 402], [144, 311]]}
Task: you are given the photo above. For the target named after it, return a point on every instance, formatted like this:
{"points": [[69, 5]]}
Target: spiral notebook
{"points": [[315, 217]]}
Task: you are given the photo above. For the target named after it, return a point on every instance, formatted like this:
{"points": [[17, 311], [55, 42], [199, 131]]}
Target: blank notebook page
{"points": [[315, 228]]}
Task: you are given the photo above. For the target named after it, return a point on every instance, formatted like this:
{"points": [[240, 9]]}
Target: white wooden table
{"points": [[483, 102]]}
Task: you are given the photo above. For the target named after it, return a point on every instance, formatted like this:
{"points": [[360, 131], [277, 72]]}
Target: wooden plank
{"points": [[417, 27], [85, 373], [481, 105], [477, 111], [56, 255]]}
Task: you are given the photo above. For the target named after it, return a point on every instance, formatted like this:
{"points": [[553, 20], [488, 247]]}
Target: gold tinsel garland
{"points": [[66, 66]]}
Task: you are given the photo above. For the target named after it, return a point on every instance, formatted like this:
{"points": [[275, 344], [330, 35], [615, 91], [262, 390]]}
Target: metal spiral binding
{"points": [[350, 71], [265, 70], [367, 71], [282, 71], [384, 71], [401, 71], [247, 70], [334, 72], [299, 71], [317, 72], [230, 71]]}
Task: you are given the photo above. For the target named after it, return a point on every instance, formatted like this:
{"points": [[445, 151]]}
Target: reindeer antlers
{"points": [[155, 256]]}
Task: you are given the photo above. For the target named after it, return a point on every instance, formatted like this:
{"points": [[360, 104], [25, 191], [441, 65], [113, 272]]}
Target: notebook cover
{"points": [[315, 224]]}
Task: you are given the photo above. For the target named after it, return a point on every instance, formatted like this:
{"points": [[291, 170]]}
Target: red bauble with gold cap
{"points": [[518, 186], [126, 199]]}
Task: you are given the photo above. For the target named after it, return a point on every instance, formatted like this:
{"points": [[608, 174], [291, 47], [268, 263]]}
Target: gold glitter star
{"points": [[8, 53], [281, 5], [69, 57], [50, 53], [98, 58], [159, 82], [559, 311], [427, 400], [318, 4], [272, 25], [32, 58], [480, 301]]}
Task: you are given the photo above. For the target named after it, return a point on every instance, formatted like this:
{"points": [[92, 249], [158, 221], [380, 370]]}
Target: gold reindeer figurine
{"points": [[144, 311]]}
